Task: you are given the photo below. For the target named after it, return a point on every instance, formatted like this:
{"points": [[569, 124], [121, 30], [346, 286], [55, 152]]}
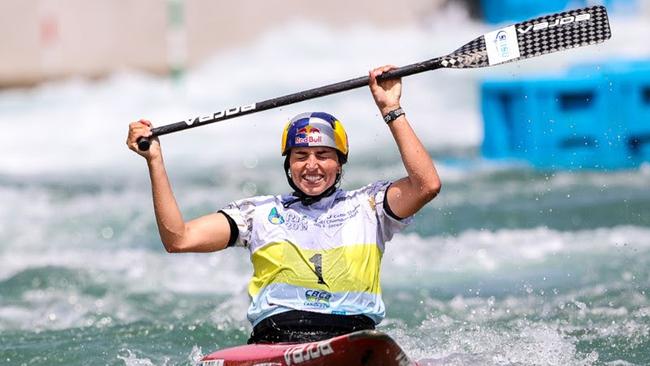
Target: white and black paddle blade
{"points": [[535, 37]]}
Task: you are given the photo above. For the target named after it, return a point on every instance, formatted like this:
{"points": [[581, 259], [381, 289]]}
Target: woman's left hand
{"points": [[386, 93]]}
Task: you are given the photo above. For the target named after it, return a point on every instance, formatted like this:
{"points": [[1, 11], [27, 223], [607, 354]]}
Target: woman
{"points": [[316, 253]]}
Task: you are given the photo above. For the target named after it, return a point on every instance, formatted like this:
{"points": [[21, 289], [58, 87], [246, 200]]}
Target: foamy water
{"points": [[507, 266]]}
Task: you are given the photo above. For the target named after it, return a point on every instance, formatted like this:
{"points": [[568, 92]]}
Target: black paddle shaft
{"points": [[144, 143], [535, 37]]}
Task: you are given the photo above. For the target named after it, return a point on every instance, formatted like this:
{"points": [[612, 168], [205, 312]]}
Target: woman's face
{"points": [[314, 169]]}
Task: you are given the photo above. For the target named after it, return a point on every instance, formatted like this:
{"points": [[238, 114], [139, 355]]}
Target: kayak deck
{"points": [[363, 348]]}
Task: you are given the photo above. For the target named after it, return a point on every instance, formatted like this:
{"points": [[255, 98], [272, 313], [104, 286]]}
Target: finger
{"points": [[138, 126], [136, 133], [142, 126], [374, 84], [382, 69], [372, 78]]}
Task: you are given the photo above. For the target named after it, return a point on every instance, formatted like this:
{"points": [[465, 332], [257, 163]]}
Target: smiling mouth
{"points": [[312, 178]]}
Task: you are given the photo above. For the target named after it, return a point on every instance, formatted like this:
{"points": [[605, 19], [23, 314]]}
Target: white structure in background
{"points": [[45, 39]]}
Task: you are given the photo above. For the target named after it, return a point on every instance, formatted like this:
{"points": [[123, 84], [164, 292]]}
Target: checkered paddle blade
{"points": [[536, 37]]}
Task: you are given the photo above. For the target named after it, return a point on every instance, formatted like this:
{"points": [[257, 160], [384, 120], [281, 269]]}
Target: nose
{"points": [[312, 162]]}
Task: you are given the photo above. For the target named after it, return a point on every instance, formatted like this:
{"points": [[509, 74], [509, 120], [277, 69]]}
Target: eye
{"points": [[301, 155], [325, 154]]}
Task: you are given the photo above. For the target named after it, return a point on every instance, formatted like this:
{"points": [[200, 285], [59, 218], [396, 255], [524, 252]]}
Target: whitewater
{"points": [[508, 266]]}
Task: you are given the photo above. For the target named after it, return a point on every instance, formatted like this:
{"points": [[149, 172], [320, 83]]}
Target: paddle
{"points": [[520, 41]]}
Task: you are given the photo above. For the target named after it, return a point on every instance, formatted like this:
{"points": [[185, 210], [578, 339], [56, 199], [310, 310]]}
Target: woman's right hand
{"points": [[387, 93], [142, 128]]}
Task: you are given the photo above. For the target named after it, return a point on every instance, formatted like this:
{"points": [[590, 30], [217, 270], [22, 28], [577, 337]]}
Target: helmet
{"points": [[315, 129]]}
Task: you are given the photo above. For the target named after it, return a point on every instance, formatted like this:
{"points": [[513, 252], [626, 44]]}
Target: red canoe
{"points": [[363, 348]]}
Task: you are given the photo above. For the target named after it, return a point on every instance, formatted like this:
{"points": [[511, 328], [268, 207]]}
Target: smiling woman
{"points": [[316, 252], [314, 169], [315, 146]]}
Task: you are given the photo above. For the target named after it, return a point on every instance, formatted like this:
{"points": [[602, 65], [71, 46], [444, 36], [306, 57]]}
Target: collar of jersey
{"points": [[316, 202]]}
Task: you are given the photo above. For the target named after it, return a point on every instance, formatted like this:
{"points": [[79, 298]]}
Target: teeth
{"points": [[312, 178]]}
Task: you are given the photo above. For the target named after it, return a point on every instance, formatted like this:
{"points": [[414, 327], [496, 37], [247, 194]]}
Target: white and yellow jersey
{"points": [[324, 257]]}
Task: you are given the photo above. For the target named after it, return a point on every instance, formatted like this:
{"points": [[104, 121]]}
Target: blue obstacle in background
{"points": [[497, 11], [595, 117]]}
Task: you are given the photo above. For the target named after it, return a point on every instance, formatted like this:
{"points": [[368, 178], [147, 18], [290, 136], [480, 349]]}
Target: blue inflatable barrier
{"points": [[632, 111], [497, 11], [595, 117], [629, 107]]}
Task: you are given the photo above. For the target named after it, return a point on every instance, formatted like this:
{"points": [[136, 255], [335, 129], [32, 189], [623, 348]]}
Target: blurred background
{"points": [[44, 40], [535, 252]]}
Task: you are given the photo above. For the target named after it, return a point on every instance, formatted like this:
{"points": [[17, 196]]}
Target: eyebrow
{"points": [[319, 151]]}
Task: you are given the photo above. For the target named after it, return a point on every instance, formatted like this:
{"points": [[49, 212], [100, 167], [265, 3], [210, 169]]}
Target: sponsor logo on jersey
{"points": [[318, 299], [308, 135], [295, 222], [275, 218], [373, 203], [338, 219]]}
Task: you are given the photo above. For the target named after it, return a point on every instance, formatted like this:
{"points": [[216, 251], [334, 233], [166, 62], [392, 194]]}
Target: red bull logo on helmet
{"points": [[308, 135]]}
